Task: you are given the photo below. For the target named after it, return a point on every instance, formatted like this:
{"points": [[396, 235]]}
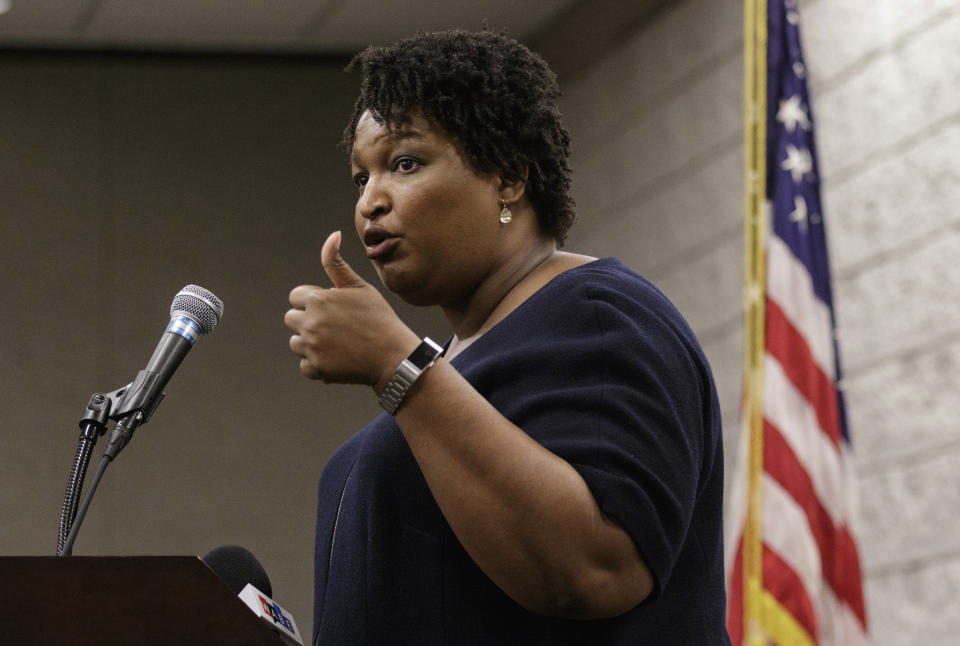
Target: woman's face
{"points": [[428, 220]]}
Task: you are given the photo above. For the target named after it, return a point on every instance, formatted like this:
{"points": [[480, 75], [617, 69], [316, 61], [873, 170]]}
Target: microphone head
{"points": [[200, 305], [237, 567]]}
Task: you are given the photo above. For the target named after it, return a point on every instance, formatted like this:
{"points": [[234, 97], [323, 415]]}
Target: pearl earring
{"points": [[505, 214]]}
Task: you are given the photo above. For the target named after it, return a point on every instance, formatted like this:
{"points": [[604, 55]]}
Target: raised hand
{"points": [[347, 333]]}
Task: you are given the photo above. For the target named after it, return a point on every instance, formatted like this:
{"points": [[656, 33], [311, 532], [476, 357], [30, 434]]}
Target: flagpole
{"points": [[755, 126]]}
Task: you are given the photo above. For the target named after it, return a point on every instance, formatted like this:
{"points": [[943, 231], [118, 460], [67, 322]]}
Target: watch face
{"points": [[424, 354]]}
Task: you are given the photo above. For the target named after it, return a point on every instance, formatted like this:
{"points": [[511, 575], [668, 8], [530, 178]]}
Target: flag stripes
{"points": [[796, 420], [787, 588], [789, 285], [836, 549], [792, 353]]}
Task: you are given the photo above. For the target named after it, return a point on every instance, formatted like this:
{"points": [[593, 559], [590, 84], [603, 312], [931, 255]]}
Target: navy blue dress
{"points": [[602, 370]]}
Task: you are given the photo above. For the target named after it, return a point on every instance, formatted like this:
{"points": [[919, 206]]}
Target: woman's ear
{"points": [[513, 185]]}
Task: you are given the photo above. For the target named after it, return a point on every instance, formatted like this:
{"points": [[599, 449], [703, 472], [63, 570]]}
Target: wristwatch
{"points": [[408, 372]]}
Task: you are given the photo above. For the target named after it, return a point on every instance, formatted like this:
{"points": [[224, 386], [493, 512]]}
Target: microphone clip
{"points": [[120, 403], [136, 397], [129, 406]]}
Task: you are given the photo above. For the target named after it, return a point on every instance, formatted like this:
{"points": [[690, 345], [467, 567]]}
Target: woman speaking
{"points": [[552, 474]]}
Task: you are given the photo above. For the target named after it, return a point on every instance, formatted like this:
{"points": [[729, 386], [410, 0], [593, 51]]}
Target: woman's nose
{"points": [[374, 200]]}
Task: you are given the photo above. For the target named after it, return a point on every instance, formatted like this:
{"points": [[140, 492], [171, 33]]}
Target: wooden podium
{"points": [[128, 601]]}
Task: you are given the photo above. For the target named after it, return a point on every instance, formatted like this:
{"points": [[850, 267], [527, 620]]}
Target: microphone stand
{"points": [[129, 409]]}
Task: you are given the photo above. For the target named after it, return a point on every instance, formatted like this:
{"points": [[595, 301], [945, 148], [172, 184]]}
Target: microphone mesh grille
{"points": [[199, 304], [236, 566]]}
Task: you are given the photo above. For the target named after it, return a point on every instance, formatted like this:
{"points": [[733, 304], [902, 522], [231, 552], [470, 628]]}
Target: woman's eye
{"points": [[360, 180], [405, 164]]}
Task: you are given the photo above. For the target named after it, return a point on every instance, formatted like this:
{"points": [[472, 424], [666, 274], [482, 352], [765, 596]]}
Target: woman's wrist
{"points": [[393, 359]]}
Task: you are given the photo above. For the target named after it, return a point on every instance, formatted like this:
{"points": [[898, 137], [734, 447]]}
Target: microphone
{"points": [[195, 311], [236, 567], [242, 573]]}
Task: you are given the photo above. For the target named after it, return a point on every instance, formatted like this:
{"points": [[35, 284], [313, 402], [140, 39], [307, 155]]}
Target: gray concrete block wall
{"points": [[887, 99], [658, 179]]}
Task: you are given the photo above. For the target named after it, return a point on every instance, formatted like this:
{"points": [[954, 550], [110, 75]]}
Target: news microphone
{"points": [[242, 573], [194, 312], [236, 566]]}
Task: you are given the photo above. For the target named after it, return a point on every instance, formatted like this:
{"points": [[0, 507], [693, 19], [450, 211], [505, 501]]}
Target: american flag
{"points": [[810, 584]]}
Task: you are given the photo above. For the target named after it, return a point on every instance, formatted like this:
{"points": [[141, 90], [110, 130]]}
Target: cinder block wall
{"points": [[657, 128]]}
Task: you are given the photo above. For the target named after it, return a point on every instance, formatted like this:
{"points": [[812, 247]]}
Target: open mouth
{"points": [[379, 243]]}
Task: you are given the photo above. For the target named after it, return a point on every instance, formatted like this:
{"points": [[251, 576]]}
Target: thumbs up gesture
{"points": [[347, 333]]}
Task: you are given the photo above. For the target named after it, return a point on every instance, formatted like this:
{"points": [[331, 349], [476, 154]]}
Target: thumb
{"points": [[340, 273]]}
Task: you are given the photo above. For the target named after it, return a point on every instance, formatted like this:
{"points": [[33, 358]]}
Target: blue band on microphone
{"points": [[185, 327]]}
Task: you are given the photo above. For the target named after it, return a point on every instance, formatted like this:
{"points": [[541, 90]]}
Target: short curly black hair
{"points": [[491, 94]]}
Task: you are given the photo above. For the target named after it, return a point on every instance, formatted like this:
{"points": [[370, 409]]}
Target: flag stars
{"points": [[793, 16], [799, 214], [798, 162], [792, 113]]}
